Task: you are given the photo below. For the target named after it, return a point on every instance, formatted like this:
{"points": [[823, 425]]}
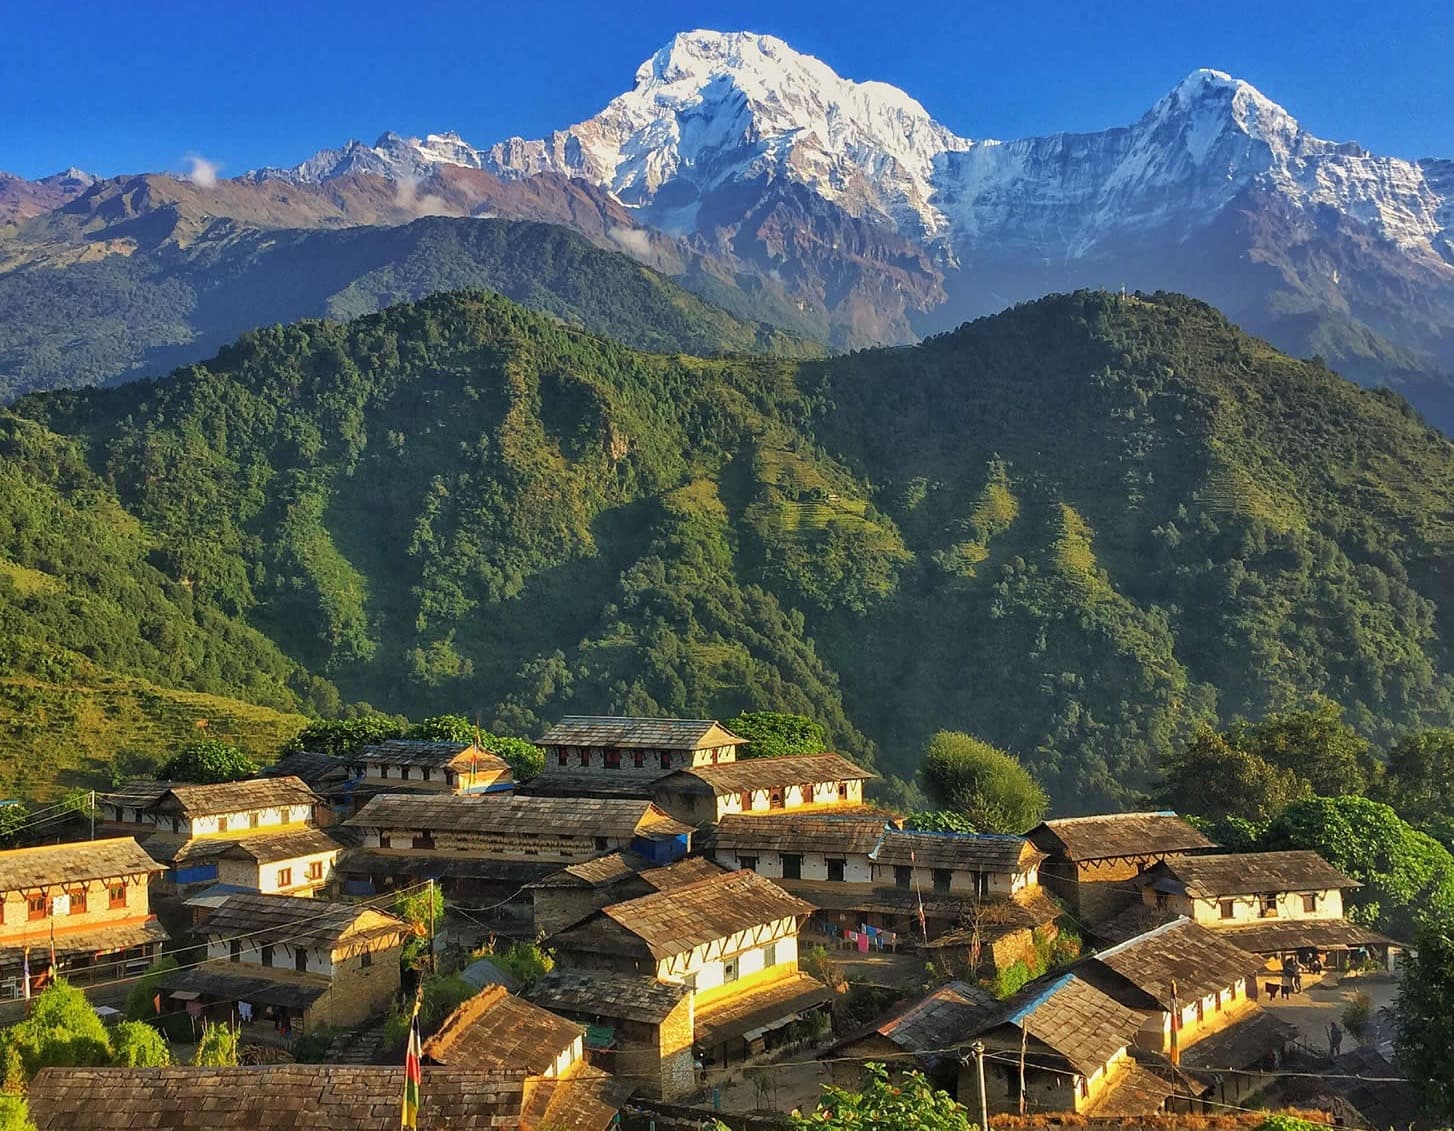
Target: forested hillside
{"points": [[1076, 529]]}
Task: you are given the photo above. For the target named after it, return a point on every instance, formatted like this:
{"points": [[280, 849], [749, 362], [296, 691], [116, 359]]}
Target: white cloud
{"points": [[408, 198], [633, 241], [201, 171]]}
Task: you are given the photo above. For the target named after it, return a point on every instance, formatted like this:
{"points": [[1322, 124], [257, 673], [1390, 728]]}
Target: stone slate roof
{"points": [[979, 852], [312, 767], [609, 731], [101, 939], [851, 833], [1276, 935], [316, 1097], [600, 872], [683, 872], [1241, 1045], [1072, 1018], [764, 773], [736, 1016], [559, 783], [496, 1030], [135, 794], [282, 846], [606, 993], [297, 921], [619, 818], [435, 755], [235, 982], [934, 1023], [676, 920], [236, 796], [1112, 835], [422, 864], [1248, 873], [49, 865], [1198, 960]]}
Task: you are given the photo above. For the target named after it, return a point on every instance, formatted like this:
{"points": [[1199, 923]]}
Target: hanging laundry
{"points": [[862, 944]]}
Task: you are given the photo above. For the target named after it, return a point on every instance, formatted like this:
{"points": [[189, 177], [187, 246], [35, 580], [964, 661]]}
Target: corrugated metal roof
{"points": [[626, 731]]}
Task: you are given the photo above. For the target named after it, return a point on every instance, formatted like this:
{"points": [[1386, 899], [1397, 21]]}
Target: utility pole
{"points": [[977, 1051], [433, 956], [93, 814]]}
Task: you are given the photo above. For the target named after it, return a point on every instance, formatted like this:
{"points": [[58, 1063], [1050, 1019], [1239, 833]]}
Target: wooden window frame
{"points": [[115, 902], [285, 877]]}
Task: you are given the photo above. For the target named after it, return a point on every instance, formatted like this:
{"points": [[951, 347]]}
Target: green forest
{"points": [[1081, 530]]}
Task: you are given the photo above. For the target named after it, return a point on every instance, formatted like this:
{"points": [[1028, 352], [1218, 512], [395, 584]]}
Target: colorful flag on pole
{"points": [[413, 1077]]}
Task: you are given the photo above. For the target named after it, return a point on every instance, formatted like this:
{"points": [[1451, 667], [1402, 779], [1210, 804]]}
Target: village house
{"points": [[334, 779], [1090, 859], [127, 809], [88, 902], [1274, 904], [731, 939], [636, 1027], [1075, 1044], [298, 964], [806, 783], [866, 876], [604, 756], [404, 765], [321, 1097], [486, 849], [495, 1029], [922, 1036], [290, 863], [570, 894]]}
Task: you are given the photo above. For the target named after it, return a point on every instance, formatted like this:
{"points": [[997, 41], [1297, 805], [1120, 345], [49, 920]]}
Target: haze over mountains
{"points": [[841, 211]]}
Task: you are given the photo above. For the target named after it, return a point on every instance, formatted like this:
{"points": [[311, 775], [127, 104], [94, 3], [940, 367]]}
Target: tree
{"points": [[209, 762], [771, 734], [14, 1116], [135, 1044], [140, 1003], [1407, 875], [423, 910], [523, 756], [62, 1030], [444, 728], [938, 821], [985, 784], [911, 1102], [1424, 1037], [1316, 744], [1420, 777], [525, 961], [1215, 778], [13, 819], [344, 738], [218, 1047]]}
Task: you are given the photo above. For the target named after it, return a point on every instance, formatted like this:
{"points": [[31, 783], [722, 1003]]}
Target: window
{"points": [[1310, 904], [903, 875], [729, 970], [775, 799], [285, 877], [843, 791], [561, 758], [836, 870], [117, 893], [36, 906], [300, 960], [638, 759], [403, 773], [792, 866], [982, 884], [78, 901], [365, 960], [769, 955], [748, 862], [943, 877], [585, 757], [602, 844], [426, 773], [234, 950], [1269, 905], [252, 820], [422, 840], [612, 759], [666, 759], [315, 870], [1229, 909], [267, 953]]}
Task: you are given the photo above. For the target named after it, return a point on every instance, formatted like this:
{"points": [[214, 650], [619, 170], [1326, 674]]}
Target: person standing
{"points": [[1335, 1039]]}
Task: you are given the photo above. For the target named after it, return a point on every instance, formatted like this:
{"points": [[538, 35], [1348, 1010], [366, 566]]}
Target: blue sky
{"points": [[136, 86]]}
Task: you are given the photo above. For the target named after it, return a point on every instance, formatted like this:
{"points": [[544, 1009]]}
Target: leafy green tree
{"points": [[1407, 875], [219, 1045], [1424, 1036], [14, 1115], [140, 999], [1213, 777], [344, 738], [770, 734], [527, 962], [939, 821], [208, 762], [423, 910], [878, 1105], [524, 757], [444, 728], [135, 1044], [1419, 780], [62, 1030], [1316, 744], [13, 819], [993, 791]]}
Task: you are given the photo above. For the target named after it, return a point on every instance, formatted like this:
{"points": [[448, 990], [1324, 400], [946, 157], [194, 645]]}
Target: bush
{"points": [[62, 1030], [140, 999], [13, 1114], [985, 784], [135, 1044], [218, 1047], [312, 1047], [1358, 1015]]}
